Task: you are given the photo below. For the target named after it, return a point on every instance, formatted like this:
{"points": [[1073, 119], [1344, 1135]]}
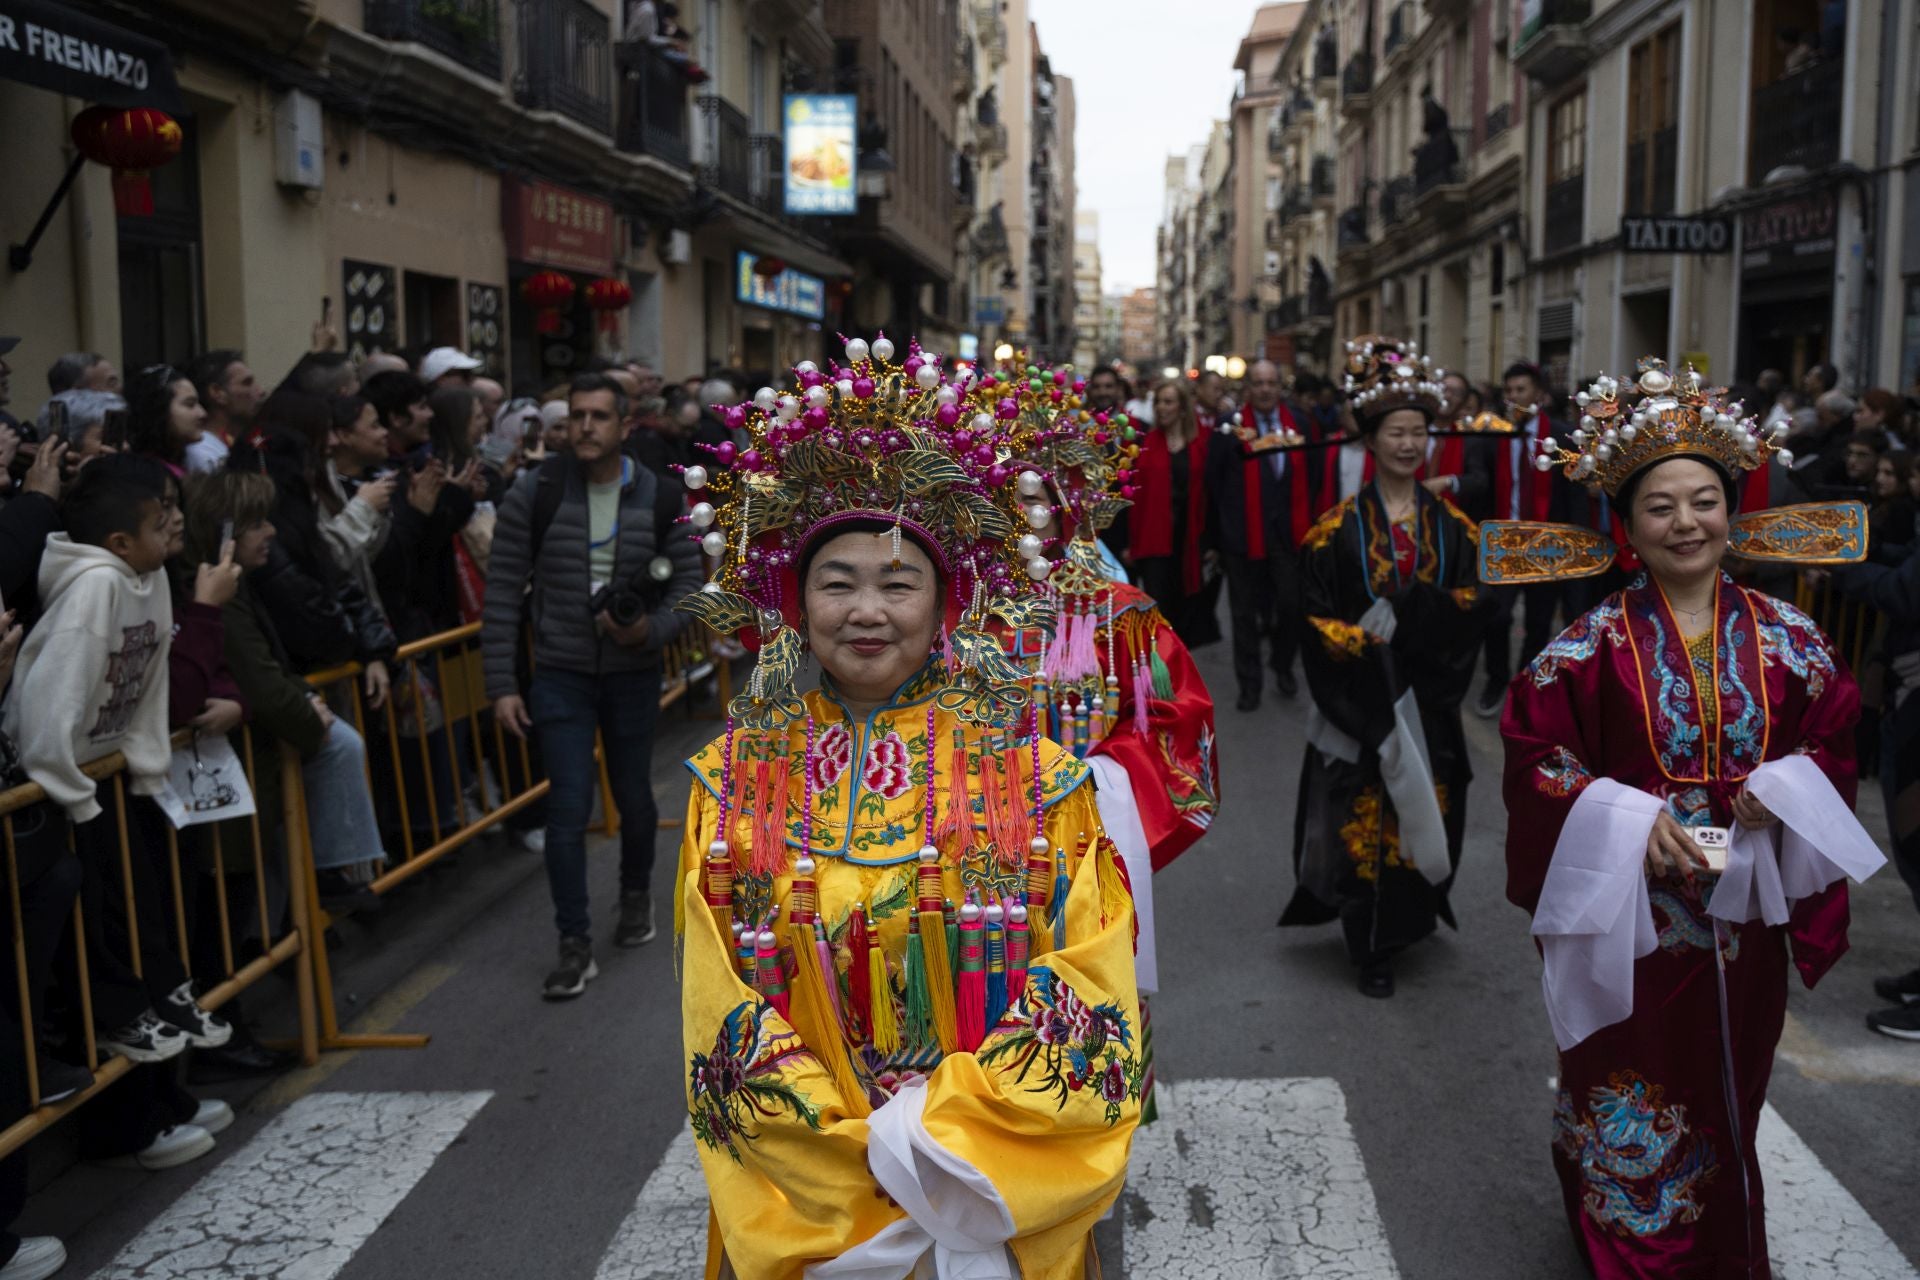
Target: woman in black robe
{"points": [[1393, 620]]}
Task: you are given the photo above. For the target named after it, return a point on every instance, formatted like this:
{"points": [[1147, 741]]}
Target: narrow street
{"points": [[1304, 1131]]}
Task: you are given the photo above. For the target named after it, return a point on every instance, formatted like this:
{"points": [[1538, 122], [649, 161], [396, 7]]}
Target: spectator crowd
{"points": [[181, 548]]}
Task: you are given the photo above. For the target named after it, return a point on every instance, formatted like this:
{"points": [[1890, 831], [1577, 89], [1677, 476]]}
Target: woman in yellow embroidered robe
{"points": [[1018, 1147]]}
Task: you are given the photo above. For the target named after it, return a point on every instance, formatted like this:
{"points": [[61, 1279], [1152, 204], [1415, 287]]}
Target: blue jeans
{"points": [[566, 707], [340, 813]]}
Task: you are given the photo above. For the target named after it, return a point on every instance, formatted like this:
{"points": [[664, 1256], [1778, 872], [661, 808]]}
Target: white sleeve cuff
{"points": [[1120, 818], [955, 1205], [1594, 918], [1820, 841]]}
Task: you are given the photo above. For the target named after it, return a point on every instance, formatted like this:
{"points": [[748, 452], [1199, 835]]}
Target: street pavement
{"points": [[1307, 1131]]}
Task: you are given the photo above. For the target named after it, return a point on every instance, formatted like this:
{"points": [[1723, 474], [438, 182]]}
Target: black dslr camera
{"points": [[627, 600]]}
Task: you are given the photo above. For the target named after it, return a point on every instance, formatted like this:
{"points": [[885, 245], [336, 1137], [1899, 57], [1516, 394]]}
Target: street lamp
{"points": [[1236, 368], [1003, 353]]}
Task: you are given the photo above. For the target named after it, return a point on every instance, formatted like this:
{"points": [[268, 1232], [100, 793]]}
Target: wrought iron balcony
{"points": [[1396, 200], [653, 105], [1437, 162], [566, 61], [1323, 177], [992, 139], [1499, 120], [468, 31], [1356, 83], [1276, 140], [1292, 309], [1400, 25], [1565, 224], [1326, 55], [726, 155], [1801, 115], [1351, 230], [962, 69], [993, 30], [1551, 46], [1297, 205]]}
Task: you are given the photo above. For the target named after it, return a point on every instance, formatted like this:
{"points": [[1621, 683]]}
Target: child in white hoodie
{"points": [[92, 680]]}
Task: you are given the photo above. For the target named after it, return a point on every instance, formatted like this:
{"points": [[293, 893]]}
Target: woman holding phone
{"points": [[1671, 734]]}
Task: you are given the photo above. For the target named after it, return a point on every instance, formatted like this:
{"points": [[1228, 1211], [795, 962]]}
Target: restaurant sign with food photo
{"points": [[822, 143]]}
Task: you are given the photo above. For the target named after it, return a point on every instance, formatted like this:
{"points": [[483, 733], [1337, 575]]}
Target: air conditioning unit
{"points": [[678, 249], [299, 141], [1273, 262]]}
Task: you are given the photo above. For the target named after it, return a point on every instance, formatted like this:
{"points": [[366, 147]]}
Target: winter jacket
{"points": [[25, 522], [323, 622], [92, 675], [356, 534], [565, 637]]}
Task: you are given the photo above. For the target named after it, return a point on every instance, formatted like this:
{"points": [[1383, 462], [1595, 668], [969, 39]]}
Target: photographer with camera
{"points": [[595, 536]]}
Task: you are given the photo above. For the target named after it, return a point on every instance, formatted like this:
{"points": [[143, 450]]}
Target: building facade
{"points": [[1090, 343], [1255, 194]]}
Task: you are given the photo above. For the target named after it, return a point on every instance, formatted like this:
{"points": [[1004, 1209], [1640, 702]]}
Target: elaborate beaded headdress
{"points": [[1627, 427], [1069, 461], [1384, 374], [870, 440]]}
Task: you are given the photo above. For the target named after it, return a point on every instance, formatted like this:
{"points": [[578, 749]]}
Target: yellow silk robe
{"points": [[1047, 1106]]}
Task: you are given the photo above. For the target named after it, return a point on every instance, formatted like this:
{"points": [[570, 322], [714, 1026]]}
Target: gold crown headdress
{"points": [[1384, 374], [1067, 458], [1627, 427], [870, 441]]}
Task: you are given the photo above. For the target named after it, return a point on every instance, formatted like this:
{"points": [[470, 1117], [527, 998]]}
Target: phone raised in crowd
{"points": [[113, 429], [57, 419]]}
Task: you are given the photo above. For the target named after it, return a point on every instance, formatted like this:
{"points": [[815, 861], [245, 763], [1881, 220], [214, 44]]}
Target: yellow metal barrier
{"points": [[277, 948]]}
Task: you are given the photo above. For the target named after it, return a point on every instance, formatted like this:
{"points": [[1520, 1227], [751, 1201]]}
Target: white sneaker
{"points": [[203, 1030], [214, 1116], [533, 840], [37, 1258], [148, 1038], [181, 1144]]}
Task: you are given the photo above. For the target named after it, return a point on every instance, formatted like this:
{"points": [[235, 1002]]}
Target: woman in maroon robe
{"points": [[1633, 745]]}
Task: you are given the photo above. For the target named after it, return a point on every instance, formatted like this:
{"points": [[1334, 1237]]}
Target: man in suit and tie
{"points": [[1520, 491], [1255, 497]]}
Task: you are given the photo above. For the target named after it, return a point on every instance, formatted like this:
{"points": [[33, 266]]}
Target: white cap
{"points": [[553, 413], [441, 361]]}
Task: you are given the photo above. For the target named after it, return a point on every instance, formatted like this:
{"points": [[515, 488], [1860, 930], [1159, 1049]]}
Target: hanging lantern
{"points": [[131, 141], [547, 292], [608, 297]]}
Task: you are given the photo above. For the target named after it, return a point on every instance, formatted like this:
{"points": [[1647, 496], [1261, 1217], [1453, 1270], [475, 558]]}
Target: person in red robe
{"points": [[1170, 537], [1679, 780]]}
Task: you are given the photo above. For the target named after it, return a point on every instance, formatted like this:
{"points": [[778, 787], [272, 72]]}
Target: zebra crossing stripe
{"points": [[665, 1236], [300, 1198], [1251, 1180], [1816, 1230]]}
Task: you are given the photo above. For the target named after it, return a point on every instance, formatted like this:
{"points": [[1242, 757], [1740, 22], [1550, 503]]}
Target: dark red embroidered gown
{"points": [[1655, 1156]]}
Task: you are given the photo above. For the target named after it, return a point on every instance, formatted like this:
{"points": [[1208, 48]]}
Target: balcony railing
{"points": [[993, 140], [1297, 205], [1437, 162], [468, 31], [1801, 116], [1396, 200], [1276, 140], [1319, 295], [1399, 28], [1357, 80], [1292, 309], [726, 155], [1550, 46], [962, 69], [566, 61], [1498, 120], [653, 105], [1326, 56], [993, 30], [1565, 225], [1323, 177], [1351, 231]]}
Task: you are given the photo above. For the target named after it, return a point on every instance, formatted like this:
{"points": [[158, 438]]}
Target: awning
{"points": [[52, 47]]}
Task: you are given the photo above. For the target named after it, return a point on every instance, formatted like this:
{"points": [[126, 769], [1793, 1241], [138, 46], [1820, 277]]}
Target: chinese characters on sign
{"points": [[555, 227], [794, 292], [822, 148]]}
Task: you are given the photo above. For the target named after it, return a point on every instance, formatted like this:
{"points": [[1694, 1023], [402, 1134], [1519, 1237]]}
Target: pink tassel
{"points": [[1142, 691], [970, 987]]}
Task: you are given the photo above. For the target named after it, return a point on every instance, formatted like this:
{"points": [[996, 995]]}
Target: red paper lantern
{"points": [[131, 141], [547, 292], [609, 296]]}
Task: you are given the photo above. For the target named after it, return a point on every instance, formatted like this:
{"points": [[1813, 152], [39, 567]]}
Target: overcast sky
{"points": [[1148, 78]]}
